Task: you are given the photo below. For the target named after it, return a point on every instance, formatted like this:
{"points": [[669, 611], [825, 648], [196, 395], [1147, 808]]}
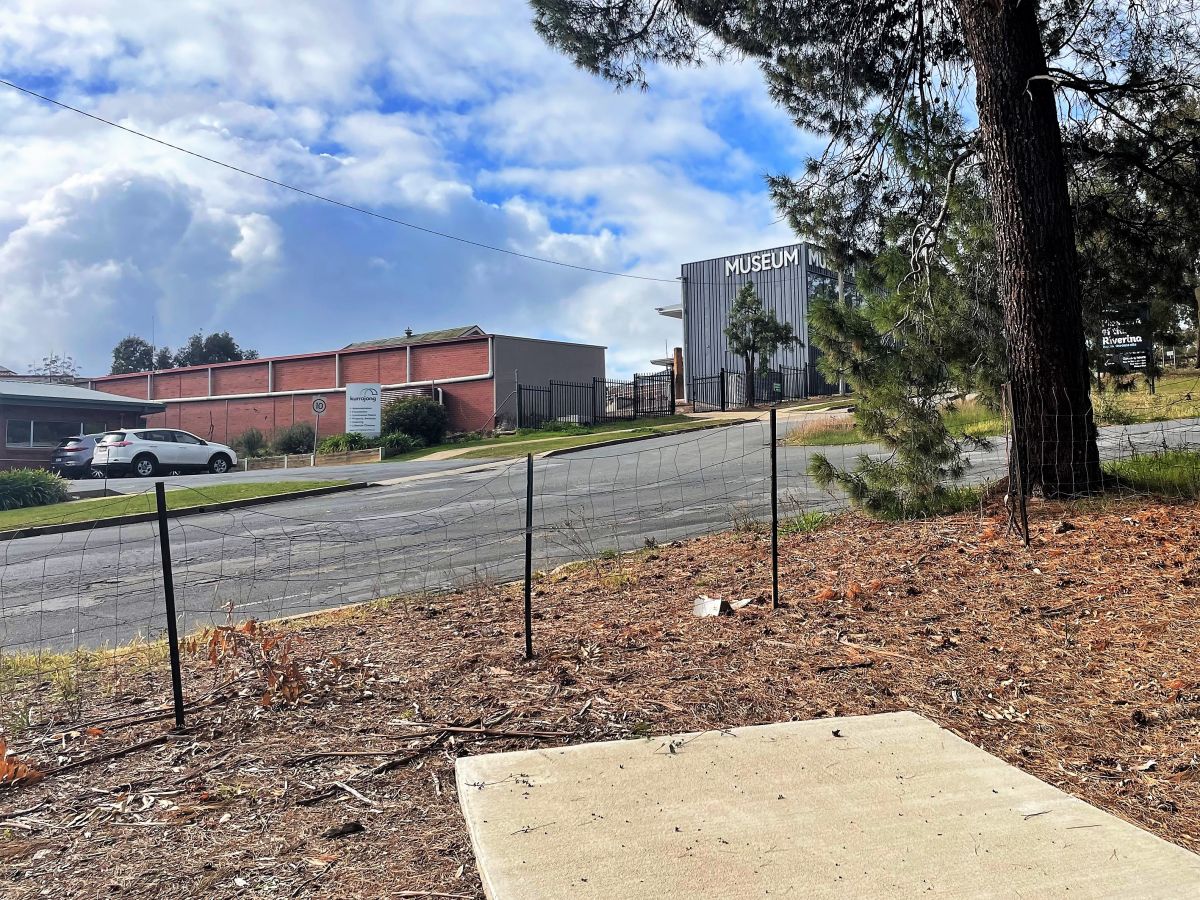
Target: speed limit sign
{"points": [[319, 405]]}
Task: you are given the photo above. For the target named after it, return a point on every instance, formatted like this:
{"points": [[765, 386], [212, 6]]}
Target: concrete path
{"points": [[885, 806]]}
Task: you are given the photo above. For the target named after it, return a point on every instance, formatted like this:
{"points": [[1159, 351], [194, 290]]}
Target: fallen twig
{"points": [[446, 730], [108, 755]]}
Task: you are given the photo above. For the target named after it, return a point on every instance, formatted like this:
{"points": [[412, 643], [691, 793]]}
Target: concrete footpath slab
{"points": [[883, 806]]}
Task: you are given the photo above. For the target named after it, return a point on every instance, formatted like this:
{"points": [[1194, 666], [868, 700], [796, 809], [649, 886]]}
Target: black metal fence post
{"points": [[672, 392], [529, 556], [774, 515], [164, 543], [520, 394], [1018, 511], [723, 390], [635, 396]]}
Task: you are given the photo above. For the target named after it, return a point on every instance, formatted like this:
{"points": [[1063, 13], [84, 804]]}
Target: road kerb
{"points": [[217, 506]]}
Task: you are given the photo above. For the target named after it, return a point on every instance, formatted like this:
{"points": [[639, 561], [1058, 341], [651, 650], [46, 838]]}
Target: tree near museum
{"points": [[871, 75], [755, 334]]}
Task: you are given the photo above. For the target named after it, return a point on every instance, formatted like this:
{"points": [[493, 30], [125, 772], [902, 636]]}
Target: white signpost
{"points": [[364, 409]]}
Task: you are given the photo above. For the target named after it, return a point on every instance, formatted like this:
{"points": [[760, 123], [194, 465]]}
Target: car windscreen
{"points": [[66, 442], [112, 437]]}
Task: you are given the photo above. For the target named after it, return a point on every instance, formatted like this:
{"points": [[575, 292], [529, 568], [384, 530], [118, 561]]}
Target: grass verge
{"points": [[970, 419], [1173, 474], [522, 445], [1176, 396], [132, 504]]}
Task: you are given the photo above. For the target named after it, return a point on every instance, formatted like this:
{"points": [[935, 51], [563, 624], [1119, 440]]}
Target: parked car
{"points": [[72, 458], [148, 451]]}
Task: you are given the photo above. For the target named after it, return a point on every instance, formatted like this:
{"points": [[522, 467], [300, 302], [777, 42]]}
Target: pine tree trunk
{"points": [[748, 362], [1055, 432]]}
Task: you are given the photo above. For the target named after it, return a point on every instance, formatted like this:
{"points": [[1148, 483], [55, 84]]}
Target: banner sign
{"points": [[1126, 341], [364, 407]]}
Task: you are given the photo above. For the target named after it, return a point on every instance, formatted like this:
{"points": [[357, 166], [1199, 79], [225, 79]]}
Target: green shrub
{"points": [[398, 442], [22, 488], [805, 523], [297, 438], [420, 417], [250, 442], [345, 443], [1109, 411]]}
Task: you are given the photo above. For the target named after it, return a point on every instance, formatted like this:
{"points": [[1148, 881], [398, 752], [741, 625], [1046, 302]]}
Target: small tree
{"points": [[200, 350], [164, 359], [57, 367], [132, 354], [754, 334]]}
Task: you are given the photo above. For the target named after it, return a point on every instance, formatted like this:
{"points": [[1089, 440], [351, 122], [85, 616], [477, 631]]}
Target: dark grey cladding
{"points": [[785, 278]]}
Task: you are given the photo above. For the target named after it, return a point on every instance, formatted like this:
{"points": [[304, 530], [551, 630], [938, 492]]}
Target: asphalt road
{"points": [[376, 471], [451, 530]]}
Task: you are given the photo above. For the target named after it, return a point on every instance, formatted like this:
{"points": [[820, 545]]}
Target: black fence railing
{"points": [[728, 390], [598, 401]]}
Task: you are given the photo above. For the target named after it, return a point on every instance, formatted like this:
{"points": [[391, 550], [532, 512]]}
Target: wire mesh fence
{"points": [[83, 611]]}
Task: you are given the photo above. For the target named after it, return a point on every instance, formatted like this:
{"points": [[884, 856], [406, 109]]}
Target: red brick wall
{"points": [[250, 378], [470, 404], [449, 360], [124, 385], [303, 374]]}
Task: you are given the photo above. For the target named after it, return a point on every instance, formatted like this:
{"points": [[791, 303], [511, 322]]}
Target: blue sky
{"points": [[447, 113]]}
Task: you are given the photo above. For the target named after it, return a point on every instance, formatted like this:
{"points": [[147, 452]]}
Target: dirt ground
{"points": [[1074, 660]]}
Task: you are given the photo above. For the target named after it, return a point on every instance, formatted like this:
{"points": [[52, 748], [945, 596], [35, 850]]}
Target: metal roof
{"points": [[425, 337], [68, 394]]}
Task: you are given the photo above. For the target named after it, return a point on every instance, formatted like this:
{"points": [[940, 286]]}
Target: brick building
{"points": [[34, 416], [471, 372]]}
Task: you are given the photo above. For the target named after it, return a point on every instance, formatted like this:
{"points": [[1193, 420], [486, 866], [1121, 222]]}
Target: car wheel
{"points": [[144, 466], [219, 464], [96, 473]]}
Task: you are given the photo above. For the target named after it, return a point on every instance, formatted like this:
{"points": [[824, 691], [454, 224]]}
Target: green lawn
{"points": [[1176, 396], [970, 418], [1173, 474], [129, 504], [540, 442], [561, 435]]}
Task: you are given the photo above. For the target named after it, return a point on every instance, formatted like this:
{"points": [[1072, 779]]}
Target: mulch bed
{"points": [[1074, 660]]}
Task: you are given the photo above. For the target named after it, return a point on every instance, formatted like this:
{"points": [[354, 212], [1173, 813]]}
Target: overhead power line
{"points": [[350, 206]]}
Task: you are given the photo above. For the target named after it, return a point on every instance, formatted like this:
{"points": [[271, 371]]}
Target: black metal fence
{"points": [[728, 390], [598, 401]]}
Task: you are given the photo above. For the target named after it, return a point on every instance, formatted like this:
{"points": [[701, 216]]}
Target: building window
{"points": [[18, 433], [49, 433], [35, 435]]}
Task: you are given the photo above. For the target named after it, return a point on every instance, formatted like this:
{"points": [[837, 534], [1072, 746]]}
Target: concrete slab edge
{"points": [[138, 518]]}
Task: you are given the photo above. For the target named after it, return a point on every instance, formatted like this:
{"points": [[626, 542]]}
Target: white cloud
{"points": [[453, 115]]}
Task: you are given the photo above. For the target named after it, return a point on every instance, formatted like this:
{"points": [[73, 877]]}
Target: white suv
{"points": [[148, 451]]}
